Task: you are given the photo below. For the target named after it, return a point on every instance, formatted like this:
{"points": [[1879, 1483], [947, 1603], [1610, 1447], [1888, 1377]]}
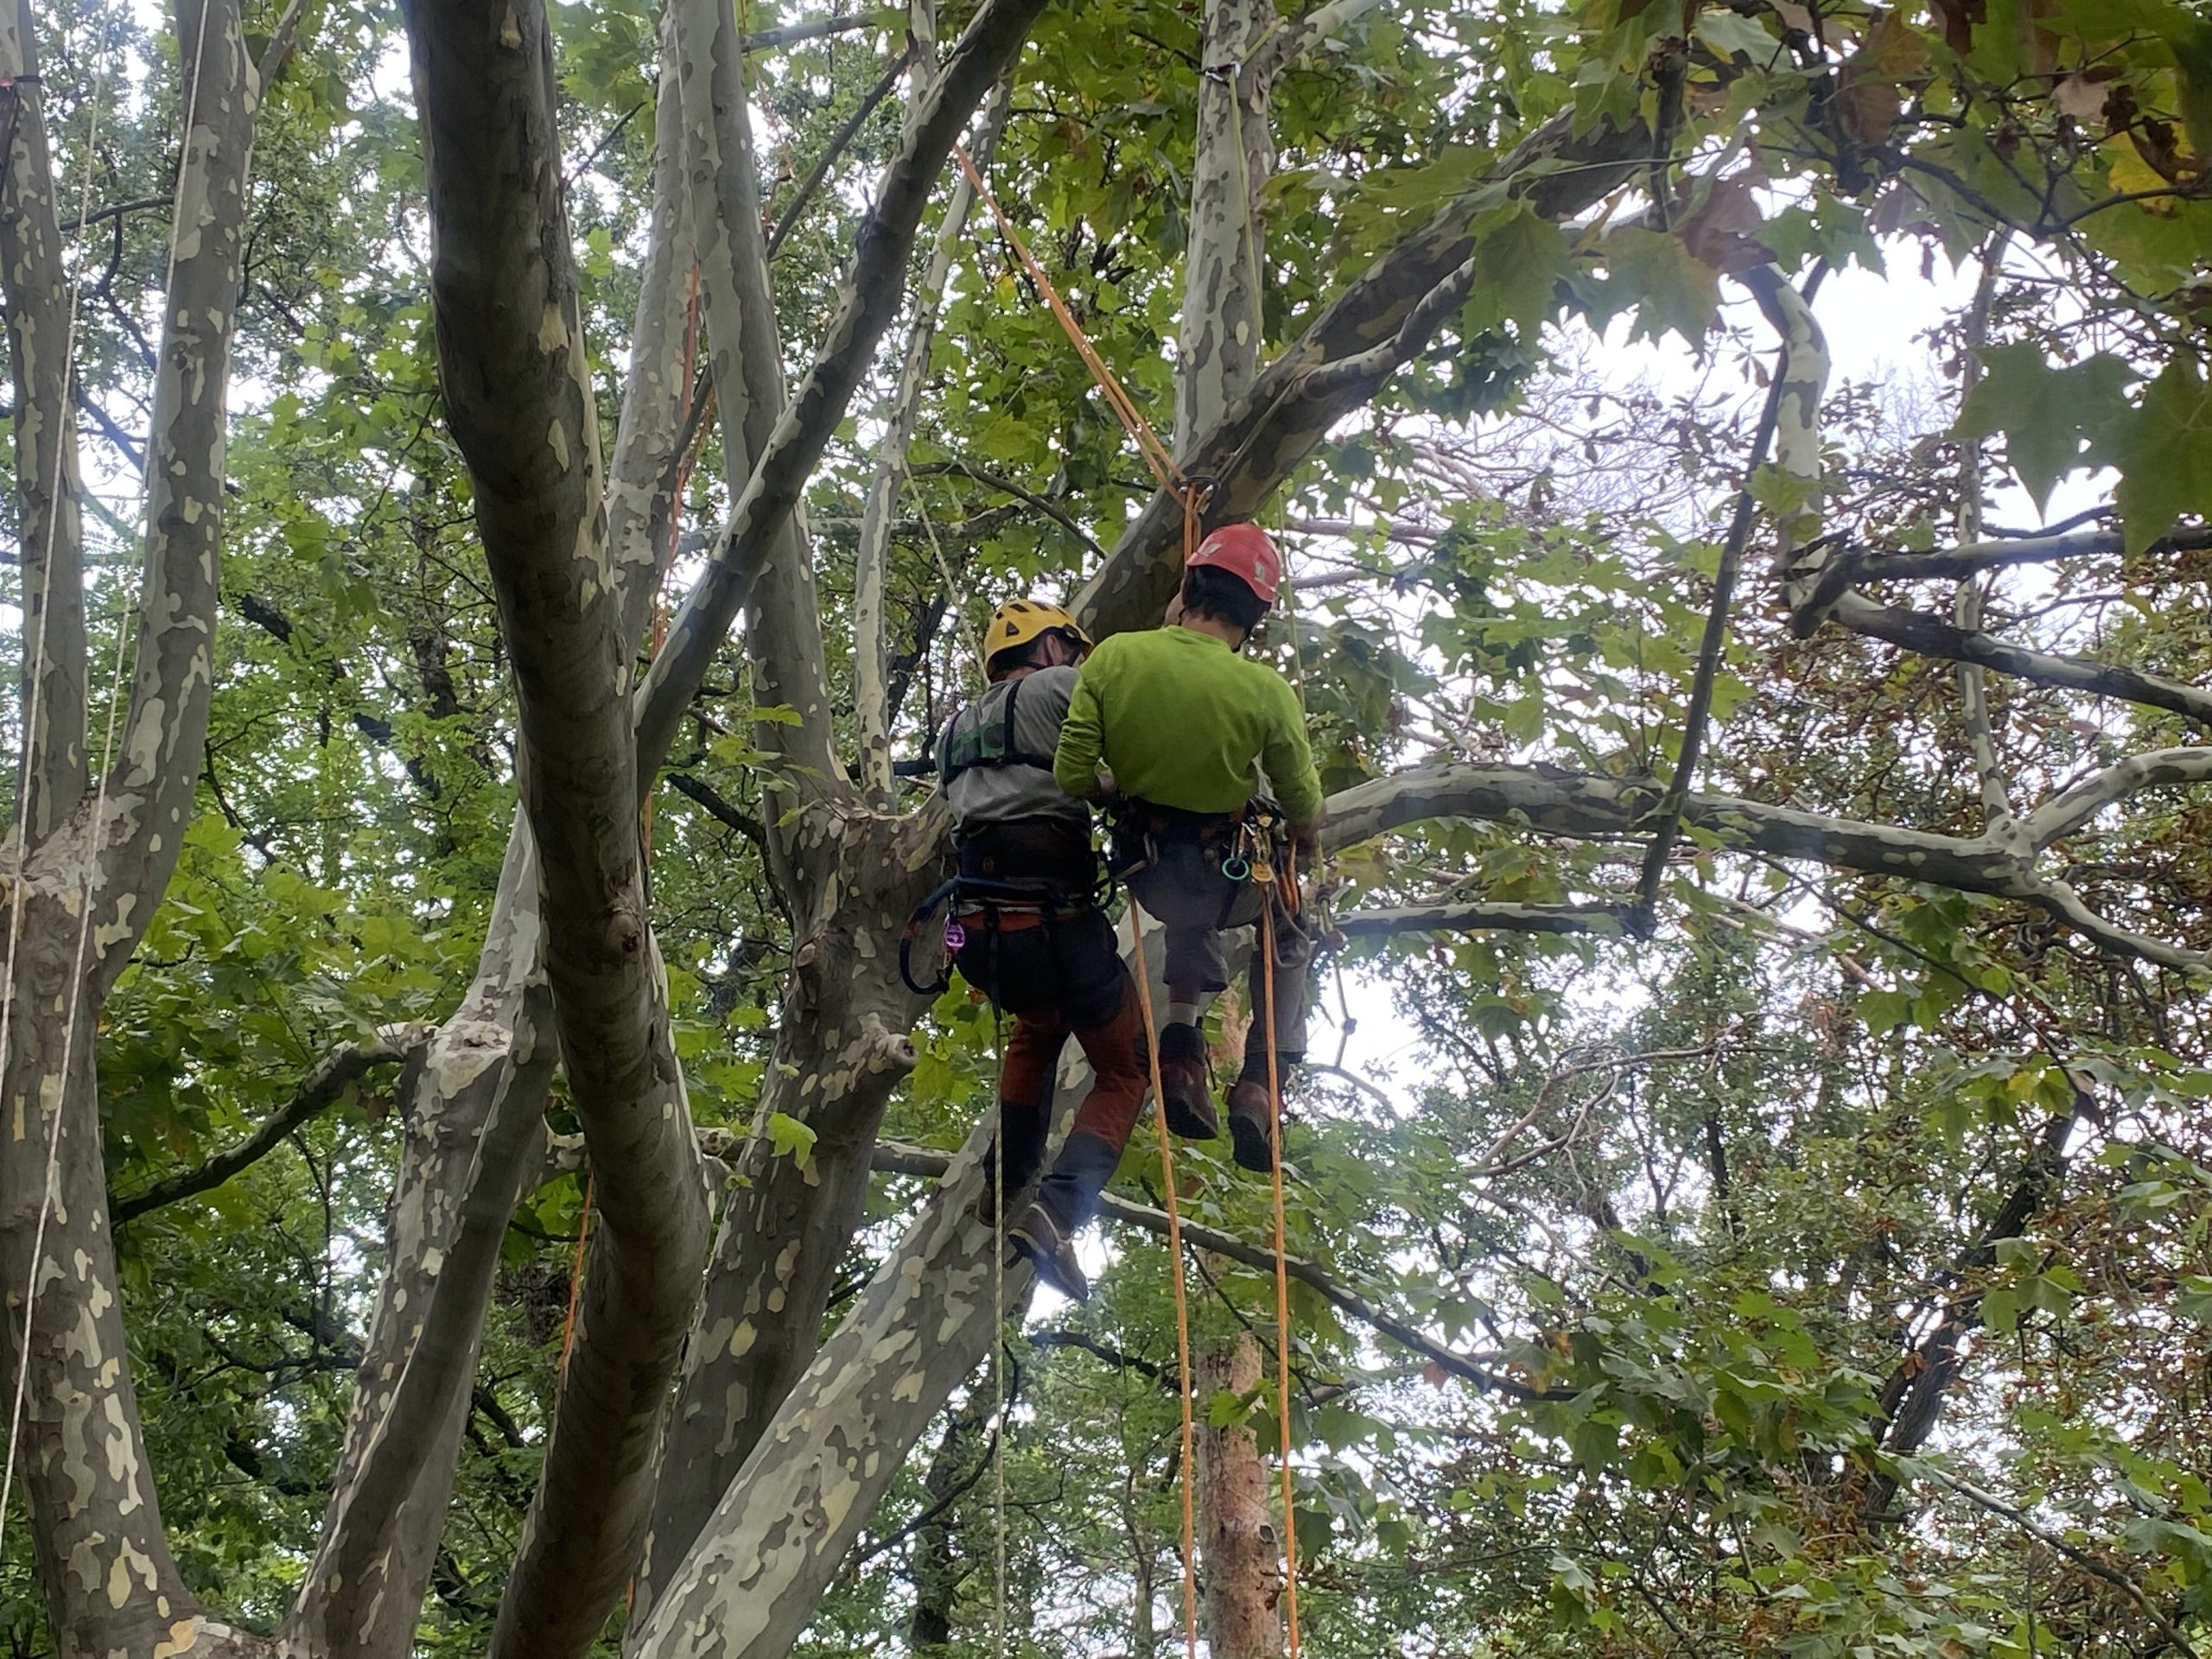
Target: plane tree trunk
{"points": [[1235, 1536], [87, 866]]}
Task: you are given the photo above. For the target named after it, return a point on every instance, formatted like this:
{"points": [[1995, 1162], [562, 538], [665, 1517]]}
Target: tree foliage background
{"points": [[1805, 1230]]}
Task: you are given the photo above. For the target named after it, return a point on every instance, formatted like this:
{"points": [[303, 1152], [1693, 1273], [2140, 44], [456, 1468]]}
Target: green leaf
{"points": [[1519, 258], [2164, 451], [1670, 287], [790, 1137], [2048, 414]]}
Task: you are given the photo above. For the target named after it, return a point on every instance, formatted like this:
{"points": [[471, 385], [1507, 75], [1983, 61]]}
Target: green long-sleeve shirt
{"points": [[1180, 720]]}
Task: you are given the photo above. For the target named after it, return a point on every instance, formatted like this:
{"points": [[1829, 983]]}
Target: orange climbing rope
{"points": [[1182, 1301], [1188, 491], [1283, 1267]]}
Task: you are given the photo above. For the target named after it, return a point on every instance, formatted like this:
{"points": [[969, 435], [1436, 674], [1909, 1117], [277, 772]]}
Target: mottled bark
{"points": [[1235, 1536], [867, 300], [157, 774], [87, 888], [783, 642], [1294, 402], [1218, 347], [783, 1527], [47, 482], [518, 399], [473, 1109]]}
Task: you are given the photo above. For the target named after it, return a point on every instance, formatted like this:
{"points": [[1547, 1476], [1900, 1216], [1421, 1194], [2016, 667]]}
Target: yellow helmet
{"points": [[1018, 621]]}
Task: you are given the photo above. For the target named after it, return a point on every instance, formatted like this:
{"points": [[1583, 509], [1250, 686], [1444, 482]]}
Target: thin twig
{"points": [[2080, 1558], [835, 148], [1708, 661]]}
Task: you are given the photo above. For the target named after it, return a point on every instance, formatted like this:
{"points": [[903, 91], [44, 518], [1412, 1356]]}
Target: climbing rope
{"points": [[35, 670], [1182, 1298], [1268, 903], [998, 1323], [1190, 493]]}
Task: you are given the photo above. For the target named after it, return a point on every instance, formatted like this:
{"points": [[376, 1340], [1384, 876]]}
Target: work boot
{"points": [[1247, 1100], [1183, 1100], [1021, 1164], [1051, 1252]]}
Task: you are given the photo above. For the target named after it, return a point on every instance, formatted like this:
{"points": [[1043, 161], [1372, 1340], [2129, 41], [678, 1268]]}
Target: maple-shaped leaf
{"points": [[2162, 449], [1669, 286], [1870, 90], [2048, 414]]}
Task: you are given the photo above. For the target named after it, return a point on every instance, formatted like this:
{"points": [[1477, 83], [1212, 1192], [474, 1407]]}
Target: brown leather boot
{"points": [[1247, 1125], [1038, 1237], [1183, 1099]]}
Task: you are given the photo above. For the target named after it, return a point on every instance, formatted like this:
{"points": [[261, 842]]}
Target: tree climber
{"points": [[1187, 726], [1032, 935]]}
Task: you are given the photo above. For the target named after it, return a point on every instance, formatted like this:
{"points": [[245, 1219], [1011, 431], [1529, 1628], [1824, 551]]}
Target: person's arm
{"points": [[1289, 759], [1083, 733]]}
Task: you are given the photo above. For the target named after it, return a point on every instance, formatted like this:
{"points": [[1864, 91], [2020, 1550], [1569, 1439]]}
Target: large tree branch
{"points": [[48, 483], [1254, 449], [1975, 557], [156, 772], [1932, 636], [657, 427], [519, 401], [1588, 807], [746, 360], [324, 1085], [870, 299], [894, 1157], [1611, 920]]}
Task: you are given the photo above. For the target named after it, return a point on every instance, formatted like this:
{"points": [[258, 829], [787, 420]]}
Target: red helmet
{"points": [[1245, 552]]}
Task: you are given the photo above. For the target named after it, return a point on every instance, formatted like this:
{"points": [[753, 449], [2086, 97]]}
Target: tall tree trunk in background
{"points": [[936, 1568], [1217, 350], [1235, 1536], [94, 866], [472, 1105]]}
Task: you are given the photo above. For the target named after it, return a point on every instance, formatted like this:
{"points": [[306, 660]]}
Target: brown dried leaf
{"points": [[1793, 14], [1724, 232], [1870, 92], [2081, 99], [1959, 18]]}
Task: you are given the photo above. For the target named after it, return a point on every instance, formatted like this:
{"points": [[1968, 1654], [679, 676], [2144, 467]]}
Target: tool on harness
{"points": [[989, 899], [1235, 868]]}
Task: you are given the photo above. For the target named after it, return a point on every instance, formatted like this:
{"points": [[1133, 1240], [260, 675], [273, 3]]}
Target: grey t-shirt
{"points": [[994, 773]]}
